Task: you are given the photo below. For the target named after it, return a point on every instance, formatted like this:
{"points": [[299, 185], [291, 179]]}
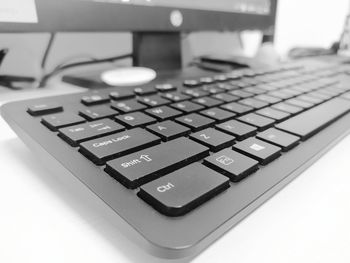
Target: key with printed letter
{"points": [[143, 166], [112, 146], [181, 191]]}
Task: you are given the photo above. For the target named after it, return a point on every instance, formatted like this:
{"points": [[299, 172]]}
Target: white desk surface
{"points": [[42, 219]]}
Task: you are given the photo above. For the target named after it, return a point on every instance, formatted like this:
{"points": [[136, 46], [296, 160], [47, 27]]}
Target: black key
{"points": [[258, 121], [44, 108], [122, 94], [135, 119], [299, 103], [237, 108], [251, 102], [181, 191], [195, 93], [87, 131], [143, 166], [259, 150], [97, 112], [237, 128], [213, 139], [195, 122], [241, 93], [284, 140], [273, 114], [169, 130], [56, 121], [128, 106], [113, 146], [163, 113], [311, 121], [187, 106], [287, 108], [218, 114], [190, 83], [143, 91], [226, 97], [153, 101], [232, 164], [175, 96], [267, 98], [207, 101], [166, 87], [206, 80], [94, 99]]}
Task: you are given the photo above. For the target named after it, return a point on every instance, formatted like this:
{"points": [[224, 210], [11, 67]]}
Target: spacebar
{"points": [[312, 121]]}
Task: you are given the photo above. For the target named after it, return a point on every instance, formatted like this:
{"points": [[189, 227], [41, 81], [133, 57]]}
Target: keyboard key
{"points": [[190, 83], [166, 87], [259, 150], [226, 97], [237, 128], [143, 166], [153, 101], [280, 94], [122, 94], [163, 113], [113, 146], [310, 99], [195, 93], [97, 112], [313, 120], [181, 191], [195, 122], [87, 131], [213, 139], [207, 102], [237, 108], [143, 91], [299, 103], [218, 114], [284, 140], [169, 130], [127, 106], [187, 106], [135, 119], [258, 121], [287, 108], [212, 89], [273, 114], [268, 99], [175, 96], [44, 108], [232, 164], [60, 120], [254, 90], [251, 102], [241, 93], [94, 99]]}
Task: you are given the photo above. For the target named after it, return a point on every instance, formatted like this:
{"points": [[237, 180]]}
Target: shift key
{"points": [[143, 166], [108, 147]]}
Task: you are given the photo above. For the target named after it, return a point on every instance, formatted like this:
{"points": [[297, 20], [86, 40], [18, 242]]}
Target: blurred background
{"points": [[296, 20]]}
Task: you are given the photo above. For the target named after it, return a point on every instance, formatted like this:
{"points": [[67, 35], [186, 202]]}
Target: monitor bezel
{"points": [[86, 16]]}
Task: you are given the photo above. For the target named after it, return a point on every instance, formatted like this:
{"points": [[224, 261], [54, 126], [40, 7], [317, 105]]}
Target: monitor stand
{"points": [[160, 51], [157, 50]]}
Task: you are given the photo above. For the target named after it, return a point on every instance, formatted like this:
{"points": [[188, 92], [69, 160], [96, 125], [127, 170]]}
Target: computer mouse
{"points": [[130, 76]]}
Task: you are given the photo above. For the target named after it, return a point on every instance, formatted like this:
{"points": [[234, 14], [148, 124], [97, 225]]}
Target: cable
{"points": [[59, 69], [47, 51]]}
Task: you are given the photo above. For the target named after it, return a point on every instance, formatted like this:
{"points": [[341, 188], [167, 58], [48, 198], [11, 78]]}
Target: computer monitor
{"points": [[156, 24]]}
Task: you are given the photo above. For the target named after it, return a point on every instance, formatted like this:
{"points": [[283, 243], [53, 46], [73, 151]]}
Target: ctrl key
{"points": [[181, 191]]}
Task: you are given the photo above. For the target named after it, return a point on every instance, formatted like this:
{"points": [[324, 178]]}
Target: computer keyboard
{"points": [[182, 162]]}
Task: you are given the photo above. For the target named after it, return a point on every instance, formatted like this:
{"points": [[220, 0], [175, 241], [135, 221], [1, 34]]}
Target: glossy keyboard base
{"points": [[164, 236]]}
